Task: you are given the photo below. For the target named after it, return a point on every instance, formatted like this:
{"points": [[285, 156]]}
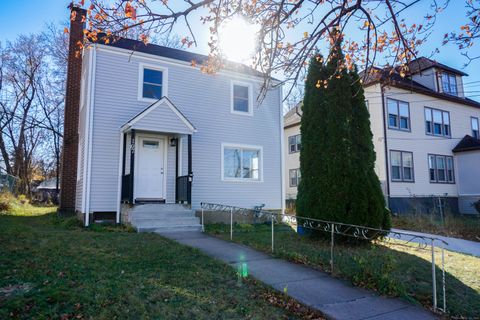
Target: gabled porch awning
{"points": [[161, 116]]}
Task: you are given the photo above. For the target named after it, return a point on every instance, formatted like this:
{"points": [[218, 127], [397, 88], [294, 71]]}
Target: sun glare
{"points": [[237, 39]]}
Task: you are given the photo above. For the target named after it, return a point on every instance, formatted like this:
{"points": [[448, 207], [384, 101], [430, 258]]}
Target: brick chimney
{"points": [[68, 175]]}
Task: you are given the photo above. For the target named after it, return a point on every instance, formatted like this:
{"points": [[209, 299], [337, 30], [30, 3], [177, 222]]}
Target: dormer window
{"points": [[449, 83]]}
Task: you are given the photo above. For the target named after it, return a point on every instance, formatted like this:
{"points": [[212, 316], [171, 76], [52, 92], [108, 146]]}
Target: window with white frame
{"points": [[437, 122], [242, 163], [475, 132], [398, 115], [449, 83], [294, 177], [401, 166], [441, 168], [241, 98], [294, 143], [152, 83]]}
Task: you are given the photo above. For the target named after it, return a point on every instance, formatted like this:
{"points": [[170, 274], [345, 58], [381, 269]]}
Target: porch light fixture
{"points": [[173, 142]]}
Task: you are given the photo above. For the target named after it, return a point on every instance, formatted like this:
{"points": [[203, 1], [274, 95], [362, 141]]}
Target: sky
{"points": [[29, 16]]}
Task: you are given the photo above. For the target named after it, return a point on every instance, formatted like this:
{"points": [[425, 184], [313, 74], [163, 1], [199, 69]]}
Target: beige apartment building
{"points": [[426, 138]]}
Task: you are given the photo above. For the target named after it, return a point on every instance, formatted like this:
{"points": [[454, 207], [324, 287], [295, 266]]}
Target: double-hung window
{"points": [[441, 168], [152, 86], [241, 98], [294, 177], [437, 122], [242, 163], [398, 115], [401, 163], [475, 132], [449, 83], [294, 143]]}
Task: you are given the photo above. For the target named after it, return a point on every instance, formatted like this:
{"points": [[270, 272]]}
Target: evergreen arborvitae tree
{"points": [[337, 158]]}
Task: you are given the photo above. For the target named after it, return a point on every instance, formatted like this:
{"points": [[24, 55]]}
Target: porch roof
{"points": [[161, 116]]}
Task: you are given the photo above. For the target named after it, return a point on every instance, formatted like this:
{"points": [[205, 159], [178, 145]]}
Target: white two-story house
{"points": [[425, 135], [153, 128]]}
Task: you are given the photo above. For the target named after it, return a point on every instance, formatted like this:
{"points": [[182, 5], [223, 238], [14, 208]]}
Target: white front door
{"points": [[149, 179]]}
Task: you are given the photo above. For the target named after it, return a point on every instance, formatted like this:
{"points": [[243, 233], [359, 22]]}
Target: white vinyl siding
{"points": [[201, 98]]}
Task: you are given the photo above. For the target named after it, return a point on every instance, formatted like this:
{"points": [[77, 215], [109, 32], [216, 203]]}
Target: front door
{"points": [[150, 169]]}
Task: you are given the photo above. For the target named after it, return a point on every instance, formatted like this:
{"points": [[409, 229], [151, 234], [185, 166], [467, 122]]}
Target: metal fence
{"points": [[345, 230]]}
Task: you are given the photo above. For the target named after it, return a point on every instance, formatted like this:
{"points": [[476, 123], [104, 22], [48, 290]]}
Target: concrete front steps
{"points": [[164, 218]]}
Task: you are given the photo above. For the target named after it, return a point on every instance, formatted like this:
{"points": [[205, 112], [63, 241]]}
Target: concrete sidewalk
{"points": [[334, 298], [454, 244]]}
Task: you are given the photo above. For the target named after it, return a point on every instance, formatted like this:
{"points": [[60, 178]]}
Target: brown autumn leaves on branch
{"points": [[290, 30]]}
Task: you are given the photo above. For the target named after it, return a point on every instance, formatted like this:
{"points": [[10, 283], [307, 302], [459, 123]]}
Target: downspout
{"points": [[387, 175], [90, 134]]}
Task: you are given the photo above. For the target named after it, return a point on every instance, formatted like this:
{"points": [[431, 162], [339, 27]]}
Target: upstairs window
{"points": [[449, 83], [398, 115], [294, 177], [294, 143], [241, 98], [152, 82], [401, 166], [441, 169], [437, 122], [475, 132]]}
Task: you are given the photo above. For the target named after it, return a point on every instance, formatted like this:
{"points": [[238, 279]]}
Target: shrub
{"points": [[6, 200], [337, 160]]}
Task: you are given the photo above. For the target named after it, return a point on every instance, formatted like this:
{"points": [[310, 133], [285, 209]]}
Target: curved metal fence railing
{"points": [[334, 228]]}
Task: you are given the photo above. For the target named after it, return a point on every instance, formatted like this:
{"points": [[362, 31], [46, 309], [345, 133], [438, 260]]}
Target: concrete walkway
{"points": [[454, 244], [334, 298]]}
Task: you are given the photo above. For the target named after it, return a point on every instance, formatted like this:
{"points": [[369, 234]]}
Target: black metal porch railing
{"points": [[184, 189], [126, 187]]}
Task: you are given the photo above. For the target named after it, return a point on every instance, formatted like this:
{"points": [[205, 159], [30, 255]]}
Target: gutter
{"points": [[387, 175]]}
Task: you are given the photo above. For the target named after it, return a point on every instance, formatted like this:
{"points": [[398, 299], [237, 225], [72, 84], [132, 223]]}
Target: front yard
{"points": [[457, 226], [389, 269], [51, 268]]}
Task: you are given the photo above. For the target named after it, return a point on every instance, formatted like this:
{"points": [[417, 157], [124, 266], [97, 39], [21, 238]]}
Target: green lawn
{"points": [[52, 268], [391, 270]]}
